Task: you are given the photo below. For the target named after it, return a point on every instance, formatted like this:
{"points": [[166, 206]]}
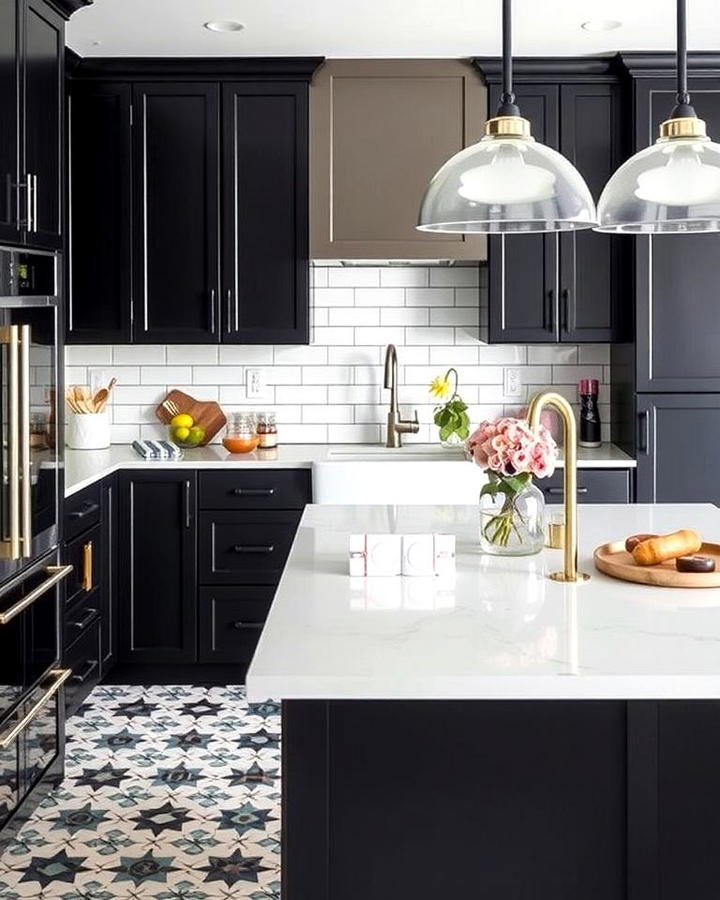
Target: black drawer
{"points": [[82, 511], [231, 620], [594, 486], [83, 657], [80, 617], [84, 554], [245, 547], [263, 489]]}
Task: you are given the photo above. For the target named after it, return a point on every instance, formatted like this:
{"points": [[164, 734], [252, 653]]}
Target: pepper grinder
{"points": [[589, 413]]}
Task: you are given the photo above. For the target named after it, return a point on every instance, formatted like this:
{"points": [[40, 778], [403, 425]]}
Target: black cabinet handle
{"points": [[82, 677], [212, 310], [82, 624], [565, 310], [228, 312], [88, 510], [644, 431], [559, 490], [249, 548], [248, 625], [253, 492], [187, 504]]}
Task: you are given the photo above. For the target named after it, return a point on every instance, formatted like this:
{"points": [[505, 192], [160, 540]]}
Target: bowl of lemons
{"points": [[185, 433]]}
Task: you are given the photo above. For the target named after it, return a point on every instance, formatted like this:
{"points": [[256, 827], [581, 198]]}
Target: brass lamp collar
{"points": [[685, 127], [507, 126]]}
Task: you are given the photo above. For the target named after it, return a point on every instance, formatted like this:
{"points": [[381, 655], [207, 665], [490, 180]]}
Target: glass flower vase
{"points": [[512, 521]]}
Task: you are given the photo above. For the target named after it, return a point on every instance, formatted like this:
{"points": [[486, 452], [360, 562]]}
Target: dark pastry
{"points": [[695, 564]]}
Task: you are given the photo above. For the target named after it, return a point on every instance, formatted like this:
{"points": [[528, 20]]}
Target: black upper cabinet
{"points": [[9, 133], [545, 288], [176, 271], [44, 88], [157, 567], [265, 220], [99, 167], [218, 173], [32, 48], [678, 276]]}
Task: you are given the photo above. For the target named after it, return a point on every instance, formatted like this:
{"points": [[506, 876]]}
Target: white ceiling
{"points": [[347, 28]]}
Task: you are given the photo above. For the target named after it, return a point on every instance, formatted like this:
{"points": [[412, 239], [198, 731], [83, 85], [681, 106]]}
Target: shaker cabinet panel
{"points": [[100, 233], [676, 448], [9, 133], [380, 131], [44, 92], [176, 265], [265, 222], [678, 276]]}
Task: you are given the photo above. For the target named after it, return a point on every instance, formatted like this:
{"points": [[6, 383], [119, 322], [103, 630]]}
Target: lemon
{"points": [[197, 434], [183, 420], [180, 432]]}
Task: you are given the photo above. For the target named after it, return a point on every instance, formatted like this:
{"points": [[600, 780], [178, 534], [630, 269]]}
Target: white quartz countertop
{"points": [[83, 467], [498, 629]]}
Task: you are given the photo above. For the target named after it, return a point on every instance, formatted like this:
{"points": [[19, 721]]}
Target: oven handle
{"points": [[57, 573], [25, 470], [60, 676], [11, 337]]}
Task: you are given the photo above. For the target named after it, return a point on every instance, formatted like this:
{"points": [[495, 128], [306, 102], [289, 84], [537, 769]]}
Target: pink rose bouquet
{"points": [[511, 453]]}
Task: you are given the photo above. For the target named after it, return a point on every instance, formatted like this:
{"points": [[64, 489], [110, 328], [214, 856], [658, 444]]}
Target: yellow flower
{"points": [[440, 387]]}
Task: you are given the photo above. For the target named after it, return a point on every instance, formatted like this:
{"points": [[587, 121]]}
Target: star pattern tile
{"points": [[171, 793]]}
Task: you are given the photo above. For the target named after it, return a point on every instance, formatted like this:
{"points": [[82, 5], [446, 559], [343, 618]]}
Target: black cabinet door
{"points": [[100, 211], [10, 195], [265, 213], [43, 65], [176, 256], [676, 448], [593, 486], [594, 305], [523, 268], [157, 567], [678, 276], [231, 620]]}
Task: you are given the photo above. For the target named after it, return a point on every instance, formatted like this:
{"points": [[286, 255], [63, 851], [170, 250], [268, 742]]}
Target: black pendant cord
{"points": [[507, 106], [683, 108]]}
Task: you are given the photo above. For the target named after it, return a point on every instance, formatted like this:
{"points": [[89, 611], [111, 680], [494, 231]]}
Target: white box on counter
{"points": [[412, 555]]}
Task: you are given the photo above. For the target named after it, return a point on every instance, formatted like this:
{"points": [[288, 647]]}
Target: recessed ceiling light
{"points": [[227, 27], [601, 25]]}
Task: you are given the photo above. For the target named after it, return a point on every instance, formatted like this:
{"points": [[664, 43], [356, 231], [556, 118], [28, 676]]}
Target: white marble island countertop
{"points": [[499, 629]]}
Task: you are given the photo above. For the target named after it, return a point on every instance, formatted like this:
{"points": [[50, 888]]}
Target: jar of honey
{"points": [[267, 429], [242, 434]]}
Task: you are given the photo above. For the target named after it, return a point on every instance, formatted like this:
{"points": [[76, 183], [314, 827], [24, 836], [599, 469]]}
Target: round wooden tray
{"points": [[613, 559]]}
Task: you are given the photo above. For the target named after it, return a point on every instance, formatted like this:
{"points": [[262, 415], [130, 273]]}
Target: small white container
{"points": [[87, 431]]}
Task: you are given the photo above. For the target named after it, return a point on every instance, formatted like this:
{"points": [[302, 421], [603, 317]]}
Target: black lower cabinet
{"points": [[593, 486], [231, 620], [677, 440], [157, 567]]}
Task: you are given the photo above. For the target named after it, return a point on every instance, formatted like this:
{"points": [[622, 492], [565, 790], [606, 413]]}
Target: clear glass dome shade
{"points": [[672, 186], [506, 184]]}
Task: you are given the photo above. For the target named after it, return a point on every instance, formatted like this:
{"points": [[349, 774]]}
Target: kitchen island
{"points": [[495, 734]]}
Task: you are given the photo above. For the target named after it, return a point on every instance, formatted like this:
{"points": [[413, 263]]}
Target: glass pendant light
{"points": [[672, 187], [507, 182]]}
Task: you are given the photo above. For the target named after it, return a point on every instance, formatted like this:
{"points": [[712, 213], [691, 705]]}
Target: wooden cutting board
{"points": [[205, 413], [613, 559]]}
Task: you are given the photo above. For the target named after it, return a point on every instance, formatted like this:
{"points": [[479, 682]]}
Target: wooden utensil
{"points": [[614, 560], [100, 400], [205, 413]]}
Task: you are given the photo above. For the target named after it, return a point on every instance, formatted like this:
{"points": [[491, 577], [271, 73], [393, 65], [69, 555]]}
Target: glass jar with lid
{"points": [[267, 430], [242, 433]]}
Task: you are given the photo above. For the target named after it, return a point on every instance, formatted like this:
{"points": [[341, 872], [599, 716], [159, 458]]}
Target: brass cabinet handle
{"points": [[60, 676], [57, 573], [87, 579]]}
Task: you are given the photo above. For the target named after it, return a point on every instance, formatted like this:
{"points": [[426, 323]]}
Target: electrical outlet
{"points": [[513, 388], [255, 384]]}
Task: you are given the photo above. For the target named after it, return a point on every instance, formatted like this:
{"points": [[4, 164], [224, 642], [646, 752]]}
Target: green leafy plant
{"points": [[451, 418]]}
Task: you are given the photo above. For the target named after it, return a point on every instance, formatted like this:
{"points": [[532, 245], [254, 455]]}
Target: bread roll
{"points": [[668, 546], [635, 539]]}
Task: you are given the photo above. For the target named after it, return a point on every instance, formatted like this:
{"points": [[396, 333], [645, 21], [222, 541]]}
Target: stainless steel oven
{"points": [[30, 455]]}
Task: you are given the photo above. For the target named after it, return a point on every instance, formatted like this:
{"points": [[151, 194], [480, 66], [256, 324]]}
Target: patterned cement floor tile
{"points": [[171, 793]]}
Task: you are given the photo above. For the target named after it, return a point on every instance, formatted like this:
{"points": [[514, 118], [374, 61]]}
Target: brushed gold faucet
{"points": [[396, 427], [558, 402]]}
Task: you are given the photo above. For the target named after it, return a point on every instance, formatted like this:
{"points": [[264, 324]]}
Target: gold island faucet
{"points": [[558, 402]]}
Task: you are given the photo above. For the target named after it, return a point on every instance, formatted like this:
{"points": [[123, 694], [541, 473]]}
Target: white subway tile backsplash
{"points": [[333, 389], [354, 276]]}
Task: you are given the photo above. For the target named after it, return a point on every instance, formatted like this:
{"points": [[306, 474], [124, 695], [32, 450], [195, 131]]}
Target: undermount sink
{"points": [[430, 474]]}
